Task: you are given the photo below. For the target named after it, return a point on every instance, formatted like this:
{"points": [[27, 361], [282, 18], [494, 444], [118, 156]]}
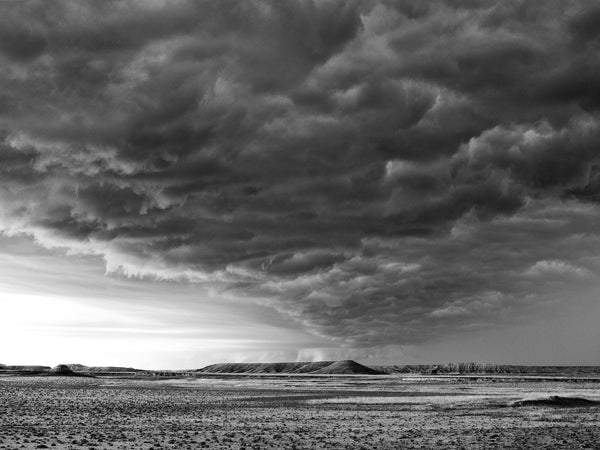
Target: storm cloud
{"points": [[380, 172]]}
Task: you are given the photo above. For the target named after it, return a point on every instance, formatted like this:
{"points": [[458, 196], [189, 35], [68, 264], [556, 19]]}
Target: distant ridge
{"points": [[101, 369], [347, 367], [24, 369], [67, 370], [490, 369]]}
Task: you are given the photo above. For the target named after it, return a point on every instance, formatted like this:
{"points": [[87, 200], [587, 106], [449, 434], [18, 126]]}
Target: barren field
{"points": [[368, 412]]}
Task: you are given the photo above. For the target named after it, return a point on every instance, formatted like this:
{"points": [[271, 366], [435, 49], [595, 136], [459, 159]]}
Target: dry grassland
{"points": [[241, 412]]}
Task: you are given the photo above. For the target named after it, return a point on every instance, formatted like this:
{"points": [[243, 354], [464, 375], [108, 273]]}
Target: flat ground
{"points": [[368, 412]]}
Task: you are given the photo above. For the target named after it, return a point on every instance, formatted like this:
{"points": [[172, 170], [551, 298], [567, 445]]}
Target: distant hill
{"points": [[67, 370], [80, 368], [347, 367], [26, 369], [61, 370]]}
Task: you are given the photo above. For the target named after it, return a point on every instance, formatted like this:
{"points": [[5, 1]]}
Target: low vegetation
{"points": [[276, 412]]}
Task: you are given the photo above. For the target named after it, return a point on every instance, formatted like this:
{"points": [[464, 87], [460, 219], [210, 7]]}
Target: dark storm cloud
{"points": [[381, 172]]}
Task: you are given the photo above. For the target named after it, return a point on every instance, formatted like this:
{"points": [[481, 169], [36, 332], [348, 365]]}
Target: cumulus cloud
{"points": [[554, 268], [380, 172]]}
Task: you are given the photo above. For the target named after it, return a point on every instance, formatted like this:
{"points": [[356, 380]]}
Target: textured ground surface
{"points": [[292, 412]]}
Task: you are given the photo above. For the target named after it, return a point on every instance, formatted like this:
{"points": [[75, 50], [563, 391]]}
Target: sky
{"points": [[396, 182]]}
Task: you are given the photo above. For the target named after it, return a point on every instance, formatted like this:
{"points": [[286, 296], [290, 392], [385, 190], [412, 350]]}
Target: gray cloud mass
{"points": [[380, 172]]}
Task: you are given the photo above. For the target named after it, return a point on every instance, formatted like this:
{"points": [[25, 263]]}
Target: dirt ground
{"points": [[363, 412]]}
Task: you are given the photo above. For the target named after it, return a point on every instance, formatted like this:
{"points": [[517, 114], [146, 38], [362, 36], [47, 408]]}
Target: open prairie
{"points": [[369, 412]]}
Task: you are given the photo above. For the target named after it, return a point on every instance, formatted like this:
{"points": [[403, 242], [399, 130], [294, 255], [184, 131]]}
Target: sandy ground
{"points": [[291, 412]]}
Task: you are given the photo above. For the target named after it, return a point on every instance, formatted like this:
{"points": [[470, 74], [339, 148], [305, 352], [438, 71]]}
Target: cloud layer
{"points": [[382, 173]]}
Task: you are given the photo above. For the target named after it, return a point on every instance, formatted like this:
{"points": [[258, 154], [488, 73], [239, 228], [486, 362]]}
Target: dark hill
{"points": [[347, 367], [63, 370]]}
